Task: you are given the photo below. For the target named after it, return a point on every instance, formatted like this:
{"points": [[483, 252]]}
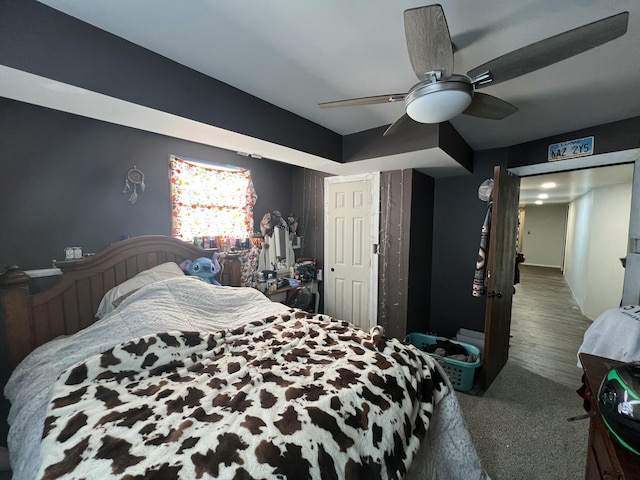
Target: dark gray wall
{"points": [[459, 215], [421, 249], [308, 204], [63, 177], [458, 218], [41, 40], [610, 137], [38, 39]]}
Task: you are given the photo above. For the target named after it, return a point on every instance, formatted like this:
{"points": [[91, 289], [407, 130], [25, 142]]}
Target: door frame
{"points": [[613, 158], [631, 285], [374, 180]]}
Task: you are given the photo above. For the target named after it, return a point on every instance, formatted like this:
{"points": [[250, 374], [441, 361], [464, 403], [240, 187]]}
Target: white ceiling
{"points": [[572, 185], [296, 54]]}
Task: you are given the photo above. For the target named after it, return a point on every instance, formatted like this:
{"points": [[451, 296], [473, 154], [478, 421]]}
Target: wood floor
{"points": [[547, 326]]}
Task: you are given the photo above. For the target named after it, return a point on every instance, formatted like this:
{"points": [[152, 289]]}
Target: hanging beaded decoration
{"points": [[134, 181]]}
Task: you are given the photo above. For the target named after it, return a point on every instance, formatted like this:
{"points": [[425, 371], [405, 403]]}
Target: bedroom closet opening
{"points": [[572, 270]]}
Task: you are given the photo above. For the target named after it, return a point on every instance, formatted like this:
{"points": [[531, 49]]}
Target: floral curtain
{"points": [[210, 200]]}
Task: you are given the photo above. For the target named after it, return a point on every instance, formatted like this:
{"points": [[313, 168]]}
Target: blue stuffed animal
{"points": [[203, 267]]}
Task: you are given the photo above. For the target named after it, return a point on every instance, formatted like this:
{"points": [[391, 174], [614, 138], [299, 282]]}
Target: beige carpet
{"points": [[520, 428]]}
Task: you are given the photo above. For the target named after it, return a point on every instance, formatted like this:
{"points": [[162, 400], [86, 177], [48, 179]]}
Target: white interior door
{"points": [[351, 238]]}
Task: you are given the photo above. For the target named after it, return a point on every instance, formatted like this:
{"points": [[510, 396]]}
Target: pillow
{"points": [[117, 294]]}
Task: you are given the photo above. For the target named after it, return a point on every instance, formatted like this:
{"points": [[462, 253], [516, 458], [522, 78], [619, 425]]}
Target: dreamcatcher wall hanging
{"points": [[134, 183]]}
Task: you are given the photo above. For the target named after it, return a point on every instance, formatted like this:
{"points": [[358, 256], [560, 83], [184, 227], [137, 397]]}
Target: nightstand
{"points": [[606, 459], [280, 295]]}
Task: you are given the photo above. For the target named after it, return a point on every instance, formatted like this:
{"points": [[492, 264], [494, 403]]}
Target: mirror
{"points": [[277, 249]]}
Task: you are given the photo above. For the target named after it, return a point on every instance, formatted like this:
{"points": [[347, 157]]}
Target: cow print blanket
{"points": [[294, 396]]}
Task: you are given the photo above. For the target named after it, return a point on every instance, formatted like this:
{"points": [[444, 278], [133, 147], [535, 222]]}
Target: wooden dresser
{"points": [[605, 458]]}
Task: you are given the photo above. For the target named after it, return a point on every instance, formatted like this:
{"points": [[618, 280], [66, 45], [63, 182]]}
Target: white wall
{"points": [[577, 245], [631, 290], [609, 239], [597, 233], [543, 234]]}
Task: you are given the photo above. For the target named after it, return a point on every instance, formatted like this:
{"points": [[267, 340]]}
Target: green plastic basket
{"points": [[460, 374]]}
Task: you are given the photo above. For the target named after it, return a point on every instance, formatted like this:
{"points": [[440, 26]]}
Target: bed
{"points": [[183, 379]]}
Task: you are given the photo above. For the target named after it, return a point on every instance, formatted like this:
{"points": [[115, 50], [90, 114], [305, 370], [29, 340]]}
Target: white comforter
{"points": [[188, 304]]}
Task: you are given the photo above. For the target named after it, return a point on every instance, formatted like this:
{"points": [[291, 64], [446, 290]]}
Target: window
{"points": [[210, 200]]}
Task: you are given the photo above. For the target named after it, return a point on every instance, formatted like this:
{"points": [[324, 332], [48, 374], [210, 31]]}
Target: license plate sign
{"points": [[580, 147]]}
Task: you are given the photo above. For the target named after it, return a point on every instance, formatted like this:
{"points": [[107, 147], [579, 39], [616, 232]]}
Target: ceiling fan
{"points": [[441, 95]]}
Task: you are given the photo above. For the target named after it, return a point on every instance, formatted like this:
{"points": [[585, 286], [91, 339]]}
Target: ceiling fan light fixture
{"points": [[435, 102]]}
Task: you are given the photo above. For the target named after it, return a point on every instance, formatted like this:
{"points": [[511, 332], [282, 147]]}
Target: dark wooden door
{"points": [[501, 258]]}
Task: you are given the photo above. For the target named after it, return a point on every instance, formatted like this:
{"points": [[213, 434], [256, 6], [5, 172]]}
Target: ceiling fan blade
{"points": [[428, 41], [397, 125], [393, 97], [551, 50], [488, 106]]}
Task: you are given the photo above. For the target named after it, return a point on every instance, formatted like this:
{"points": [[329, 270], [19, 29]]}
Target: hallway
{"points": [[547, 326]]}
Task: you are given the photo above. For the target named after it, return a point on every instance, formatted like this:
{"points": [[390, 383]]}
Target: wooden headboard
{"points": [[70, 305]]}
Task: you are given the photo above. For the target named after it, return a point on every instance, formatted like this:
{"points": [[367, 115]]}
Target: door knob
{"points": [[332, 269]]}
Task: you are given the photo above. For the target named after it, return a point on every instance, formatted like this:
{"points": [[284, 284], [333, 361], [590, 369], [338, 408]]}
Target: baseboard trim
{"points": [[541, 265]]}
